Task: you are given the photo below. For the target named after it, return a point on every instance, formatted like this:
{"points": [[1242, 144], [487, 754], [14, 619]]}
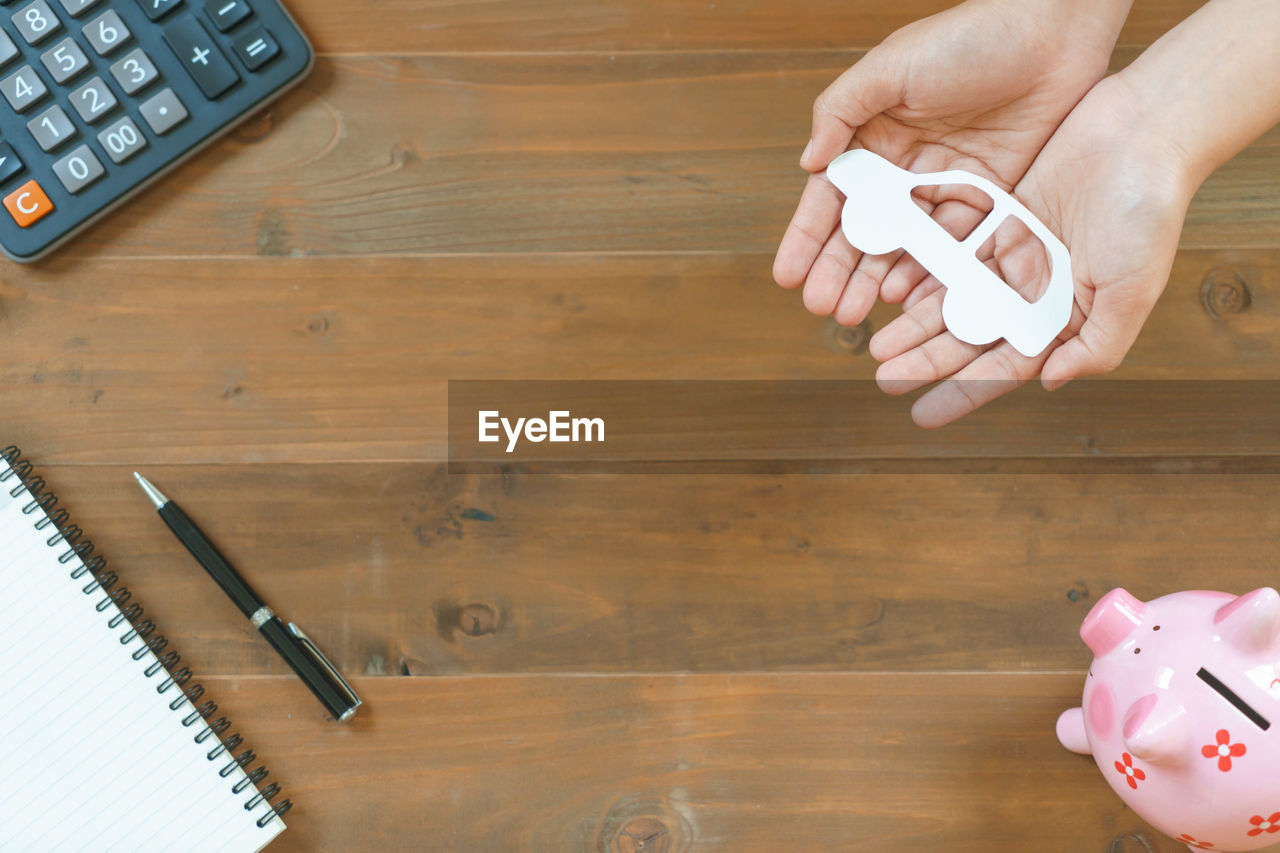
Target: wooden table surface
{"points": [[593, 189]]}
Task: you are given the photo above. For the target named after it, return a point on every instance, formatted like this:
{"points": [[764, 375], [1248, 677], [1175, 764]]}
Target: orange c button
{"points": [[28, 204]]}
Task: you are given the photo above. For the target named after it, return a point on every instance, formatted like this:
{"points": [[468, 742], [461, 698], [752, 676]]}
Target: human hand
{"points": [[1116, 192], [980, 87]]}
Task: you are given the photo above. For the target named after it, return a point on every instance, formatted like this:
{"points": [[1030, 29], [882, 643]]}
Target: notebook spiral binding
{"points": [[131, 613]]}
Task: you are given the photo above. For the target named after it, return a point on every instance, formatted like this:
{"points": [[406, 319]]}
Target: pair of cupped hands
{"points": [[1014, 92]]}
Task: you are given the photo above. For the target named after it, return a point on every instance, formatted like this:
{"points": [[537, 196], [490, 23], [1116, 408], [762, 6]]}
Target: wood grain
{"points": [[749, 762], [501, 26], [314, 359], [514, 153], [404, 569]]}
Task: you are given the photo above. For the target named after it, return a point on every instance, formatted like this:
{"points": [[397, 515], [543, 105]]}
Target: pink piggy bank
{"points": [[1178, 711]]}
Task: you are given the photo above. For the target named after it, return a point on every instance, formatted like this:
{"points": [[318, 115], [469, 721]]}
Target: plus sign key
{"points": [[199, 54]]}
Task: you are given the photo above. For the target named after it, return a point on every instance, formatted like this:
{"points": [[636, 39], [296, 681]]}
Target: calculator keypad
{"points": [[93, 101], [28, 204], [23, 89], [36, 22], [122, 139], [201, 56], [134, 71], [10, 164], [106, 33], [76, 8], [64, 60], [79, 169], [52, 128], [163, 112], [8, 50], [99, 96], [225, 14]]}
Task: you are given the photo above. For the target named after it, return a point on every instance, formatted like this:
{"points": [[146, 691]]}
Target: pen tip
{"points": [[152, 492]]}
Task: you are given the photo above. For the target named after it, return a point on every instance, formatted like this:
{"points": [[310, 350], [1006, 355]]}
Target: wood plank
{"points": [[499, 154], [694, 763], [405, 569], [500, 26], [216, 360]]}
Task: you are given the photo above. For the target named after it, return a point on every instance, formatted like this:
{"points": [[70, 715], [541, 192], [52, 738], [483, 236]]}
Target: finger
{"points": [[923, 291], [902, 279], [859, 296], [933, 360], [1099, 347], [829, 276], [868, 88], [908, 331], [810, 228], [993, 374]]}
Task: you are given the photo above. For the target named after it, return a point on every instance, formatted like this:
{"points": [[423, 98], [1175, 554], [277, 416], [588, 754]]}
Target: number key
{"points": [[36, 22], [23, 88], [122, 140], [52, 128], [78, 169], [106, 32], [64, 60], [93, 100], [8, 50], [76, 8], [157, 9], [134, 71]]}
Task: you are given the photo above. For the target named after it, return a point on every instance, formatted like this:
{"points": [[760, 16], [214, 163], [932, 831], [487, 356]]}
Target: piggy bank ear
{"points": [[1116, 615], [1156, 731], [1250, 622]]}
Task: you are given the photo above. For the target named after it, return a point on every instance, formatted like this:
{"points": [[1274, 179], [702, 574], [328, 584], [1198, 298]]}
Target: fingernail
{"points": [[807, 150]]}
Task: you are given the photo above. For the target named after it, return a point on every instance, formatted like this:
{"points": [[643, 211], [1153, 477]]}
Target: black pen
{"points": [[294, 646]]}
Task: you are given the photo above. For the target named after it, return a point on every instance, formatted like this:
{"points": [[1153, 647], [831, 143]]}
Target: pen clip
{"points": [[329, 668]]}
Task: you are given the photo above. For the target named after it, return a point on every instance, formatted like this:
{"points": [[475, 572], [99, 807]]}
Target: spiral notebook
{"points": [[105, 742]]}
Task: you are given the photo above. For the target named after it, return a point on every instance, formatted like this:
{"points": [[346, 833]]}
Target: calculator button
{"points": [[52, 128], [78, 169], [200, 55], [106, 32], [23, 88], [76, 8], [28, 204], [157, 9], [163, 111], [64, 60], [225, 14], [134, 71], [36, 22], [93, 100], [256, 48], [10, 165], [8, 50], [122, 140]]}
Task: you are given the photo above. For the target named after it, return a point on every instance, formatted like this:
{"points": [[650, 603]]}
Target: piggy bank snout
{"points": [[1116, 615], [1156, 731]]}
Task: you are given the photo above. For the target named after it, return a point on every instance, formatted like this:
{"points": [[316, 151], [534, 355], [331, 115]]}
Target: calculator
{"points": [[100, 97]]}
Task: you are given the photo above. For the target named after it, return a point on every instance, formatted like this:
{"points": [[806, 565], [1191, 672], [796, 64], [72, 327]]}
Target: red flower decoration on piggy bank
{"points": [[1175, 681]]}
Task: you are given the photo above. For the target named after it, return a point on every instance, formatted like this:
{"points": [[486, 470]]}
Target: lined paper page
{"points": [[93, 757]]}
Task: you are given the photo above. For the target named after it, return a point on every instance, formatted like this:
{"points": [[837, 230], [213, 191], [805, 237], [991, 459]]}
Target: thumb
{"points": [[868, 88], [1102, 342]]}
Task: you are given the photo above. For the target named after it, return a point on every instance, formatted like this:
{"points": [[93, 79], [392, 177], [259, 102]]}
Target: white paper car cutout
{"points": [[978, 307]]}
